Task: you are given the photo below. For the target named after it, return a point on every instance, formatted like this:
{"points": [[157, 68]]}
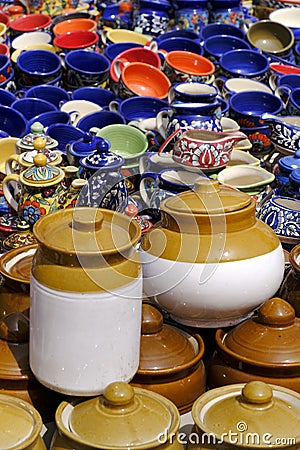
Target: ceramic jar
{"points": [[290, 288], [86, 279], [261, 416], [265, 347], [21, 425], [205, 238], [123, 417], [170, 361]]}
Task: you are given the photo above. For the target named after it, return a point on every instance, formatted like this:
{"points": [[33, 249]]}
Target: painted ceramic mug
{"points": [[180, 66]]}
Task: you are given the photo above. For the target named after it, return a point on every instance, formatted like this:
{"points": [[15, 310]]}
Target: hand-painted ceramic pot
{"points": [[264, 348], [285, 131], [261, 415], [124, 416], [86, 274], [25, 143], [170, 361], [204, 239], [21, 425]]}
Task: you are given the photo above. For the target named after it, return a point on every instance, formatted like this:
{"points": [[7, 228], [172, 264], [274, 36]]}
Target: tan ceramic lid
{"points": [[16, 263], [162, 346], [18, 423], [271, 336], [124, 417], [87, 231], [236, 411], [208, 197]]}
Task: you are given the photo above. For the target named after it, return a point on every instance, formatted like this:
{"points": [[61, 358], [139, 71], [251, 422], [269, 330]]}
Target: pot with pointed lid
{"points": [[123, 417], [255, 415], [26, 143], [170, 361], [43, 187], [265, 347], [86, 279], [210, 262]]}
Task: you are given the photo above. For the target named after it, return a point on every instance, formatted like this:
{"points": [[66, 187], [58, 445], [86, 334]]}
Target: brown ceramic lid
{"points": [[20, 424], [87, 231], [16, 264], [270, 337], [162, 346], [23, 236], [252, 415], [123, 417]]}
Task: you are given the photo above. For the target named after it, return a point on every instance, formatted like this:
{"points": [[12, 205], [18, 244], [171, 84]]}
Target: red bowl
{"points": [[30, 22], [4, 18], [76, 40]]}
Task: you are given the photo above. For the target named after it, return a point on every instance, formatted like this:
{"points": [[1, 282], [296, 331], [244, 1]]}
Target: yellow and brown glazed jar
{"points": [[85, 300], [170, 360], [123, 417], [211, 262]]}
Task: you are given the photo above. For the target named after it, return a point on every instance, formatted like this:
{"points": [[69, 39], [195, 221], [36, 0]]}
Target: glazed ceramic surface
{"points": [[205, 272]]}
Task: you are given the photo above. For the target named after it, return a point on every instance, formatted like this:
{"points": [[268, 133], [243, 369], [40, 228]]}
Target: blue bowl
{"points": [[64, 134], [218, 28], [99, 119], [140, 108], [6, 97], [12, 122], [180, 43], [31, 107], [216, 46], [113, 50], [188, 34], [50, 118], [52, 94], [100, 96], [245, 63], [38, 66]]}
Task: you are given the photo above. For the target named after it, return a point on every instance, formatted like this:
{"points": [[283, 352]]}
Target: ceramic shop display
{"points": [[210, 246], [170, 360], [261, 415], [16, 378], [20, 426], [264, 348], [123, 417], [86, 279]]}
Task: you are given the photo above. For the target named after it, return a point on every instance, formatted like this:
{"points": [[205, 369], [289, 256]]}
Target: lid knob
{"points": [[87, 137], [87, 220], [103, 145], [37, 128], [297, 153], [206, 186], [40, 159], [276, 312], [152, 320], [22, 225], [257, 392], [39, 144], [118, 394]]}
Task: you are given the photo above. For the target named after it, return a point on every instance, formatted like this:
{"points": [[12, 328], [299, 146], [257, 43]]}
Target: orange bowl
{"points": [[143, 79], [76, 24]]}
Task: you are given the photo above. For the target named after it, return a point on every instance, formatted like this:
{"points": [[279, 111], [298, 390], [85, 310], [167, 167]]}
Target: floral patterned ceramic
{"points": [[285, 131], [25, 143]]}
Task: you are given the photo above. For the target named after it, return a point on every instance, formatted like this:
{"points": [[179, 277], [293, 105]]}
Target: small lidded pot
{"points": [[170, 361], [265, 347], [286, 165], [123, 417], [25, 143], [20, 425], [86, 279], [208, 248], [253, 415]]}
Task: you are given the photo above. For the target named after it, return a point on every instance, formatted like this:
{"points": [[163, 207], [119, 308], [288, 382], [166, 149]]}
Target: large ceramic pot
{"points": [[16, 378], [170, 361], [253, 415], [20, 426], [191, 259], [265, 347], [85, 300], [124, 417]]}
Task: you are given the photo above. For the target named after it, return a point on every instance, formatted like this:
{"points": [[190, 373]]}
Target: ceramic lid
{"points": [[162, 346], [102, 158], [41, 173], [269, 338], [20, 423], [123, 417], [87, 231], [23, 236], [290, 163], [252, 415], [295, 175], [16, 263], [85, 145], [36, 131]]}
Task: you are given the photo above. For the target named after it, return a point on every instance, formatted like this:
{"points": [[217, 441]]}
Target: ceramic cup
{"points": [[180, 43], [49, 118], [29, 23], [180, 66], [100, 96], [31, 107], [290, 98], [32, 38], [139, 108], [6, 97], [75, 24], [271, 37], [113, 50], [12, 121], [218, 29], [216, 46], [4, 49], [244, 64], [192, 92], [229, 86], [77, 109], [142, 79], [15, 54], [37, 67], [49, 93], [76, 40], [64, 134], [7, 148], [111, 36], [85, 68], [292, 81], [99, 119]]}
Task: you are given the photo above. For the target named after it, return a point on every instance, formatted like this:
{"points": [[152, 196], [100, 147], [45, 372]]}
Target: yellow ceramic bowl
{"points": [[7, 148]]}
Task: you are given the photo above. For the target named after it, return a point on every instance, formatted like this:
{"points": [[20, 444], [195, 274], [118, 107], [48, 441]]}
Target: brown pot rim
{"points": [[12, 253]]}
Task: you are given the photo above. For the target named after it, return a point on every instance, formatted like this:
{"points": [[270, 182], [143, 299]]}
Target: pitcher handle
{"points": [[6, 191], [9, 163]]}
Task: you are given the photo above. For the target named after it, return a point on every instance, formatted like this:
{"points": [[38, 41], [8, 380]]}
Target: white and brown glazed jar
{"points": [[255, 415], [87, 280], [16, 378], [210, 262], [265, 347], [170, 360], [20, 425], [123, 417]]}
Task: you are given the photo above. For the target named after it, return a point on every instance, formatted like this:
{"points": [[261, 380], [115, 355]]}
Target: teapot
{"points": [[25, 143], [43, 189]]}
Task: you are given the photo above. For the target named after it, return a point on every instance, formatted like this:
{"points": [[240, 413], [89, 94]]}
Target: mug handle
{"points": [[151, 45], [9, 163], [159, 122], [171, 94], [114, 105], [144, 192], [74, 117], [6, 191], [120, 63], [283, 92]]}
